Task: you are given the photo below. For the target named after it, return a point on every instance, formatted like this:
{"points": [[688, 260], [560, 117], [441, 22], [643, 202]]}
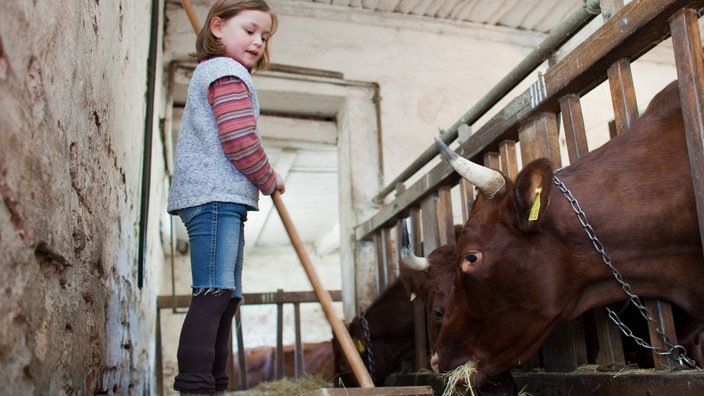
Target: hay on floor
{"points": [[286, 387]]}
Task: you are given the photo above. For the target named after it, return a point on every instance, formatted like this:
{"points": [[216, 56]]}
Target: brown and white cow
{"points": [[518, 275]]}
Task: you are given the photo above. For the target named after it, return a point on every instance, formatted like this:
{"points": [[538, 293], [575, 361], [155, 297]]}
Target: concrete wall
{"points": [[73, 92]]}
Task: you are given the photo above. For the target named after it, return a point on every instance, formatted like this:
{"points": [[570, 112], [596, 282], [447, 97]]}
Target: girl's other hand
{"points": [[280, 185]]}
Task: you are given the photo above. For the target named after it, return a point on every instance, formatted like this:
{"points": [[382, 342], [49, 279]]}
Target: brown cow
{"points": [[260, 363], [383, 334], [522, 266], [390, 317], [429, 279]]}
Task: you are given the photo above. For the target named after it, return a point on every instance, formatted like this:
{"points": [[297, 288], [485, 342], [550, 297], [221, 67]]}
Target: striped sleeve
{"points": [[237, 125]]}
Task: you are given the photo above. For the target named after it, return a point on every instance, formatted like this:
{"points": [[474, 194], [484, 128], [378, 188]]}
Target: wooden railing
{"points": [[532, 119]]}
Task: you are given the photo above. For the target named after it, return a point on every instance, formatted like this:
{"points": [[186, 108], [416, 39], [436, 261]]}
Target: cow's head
{"points": [[383, 335], [429, 279], [503, 303]]}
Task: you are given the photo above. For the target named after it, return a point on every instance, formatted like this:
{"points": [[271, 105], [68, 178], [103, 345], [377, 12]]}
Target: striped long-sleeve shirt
{"points": [[237, 124]]}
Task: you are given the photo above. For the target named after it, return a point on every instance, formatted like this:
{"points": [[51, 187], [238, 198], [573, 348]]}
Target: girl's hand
{"points": [[280, 185]]}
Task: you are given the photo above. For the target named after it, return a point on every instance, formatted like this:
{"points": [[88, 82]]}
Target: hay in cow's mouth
{"points": [[460, 376]]}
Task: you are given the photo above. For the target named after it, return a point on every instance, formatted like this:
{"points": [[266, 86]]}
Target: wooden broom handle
{"points": [[339, 328], [195, 23]]}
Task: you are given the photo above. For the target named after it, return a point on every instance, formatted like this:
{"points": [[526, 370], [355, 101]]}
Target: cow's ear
{"points": [[533, 185]]}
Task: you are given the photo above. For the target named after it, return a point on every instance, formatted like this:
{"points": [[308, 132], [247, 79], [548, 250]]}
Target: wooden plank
{"points": [[629, 383], [429, 217], [466, 197], [509, 158], [610, 352], [415, 230], [392, 258], [662, 313], [688, 59], [446, 226], [419, 322], [573, 121], [279, 358], [623, 94], [423, 377], [491, 160], [382, 391], [298, 343], [420, 334], [565, 349], [538, 137]]}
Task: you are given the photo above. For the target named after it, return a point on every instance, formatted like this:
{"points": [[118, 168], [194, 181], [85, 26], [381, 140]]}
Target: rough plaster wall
{"points": [[72, 82]]}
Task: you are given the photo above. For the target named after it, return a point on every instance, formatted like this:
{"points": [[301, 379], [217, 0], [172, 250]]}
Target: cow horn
{"points": [[487, 180], [407, 256]]}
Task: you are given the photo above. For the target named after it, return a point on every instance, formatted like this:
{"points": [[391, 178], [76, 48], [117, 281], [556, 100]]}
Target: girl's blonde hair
{"points": [[208, 46]]}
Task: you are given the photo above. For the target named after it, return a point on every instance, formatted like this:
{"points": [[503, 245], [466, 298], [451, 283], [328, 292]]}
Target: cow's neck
{"points": [[651, 269]]}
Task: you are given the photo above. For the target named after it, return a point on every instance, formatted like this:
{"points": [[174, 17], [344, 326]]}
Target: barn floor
{"points": [[312, 386]]}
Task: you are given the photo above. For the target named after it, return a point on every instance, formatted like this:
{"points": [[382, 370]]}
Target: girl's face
{"points": [[244, 35]]}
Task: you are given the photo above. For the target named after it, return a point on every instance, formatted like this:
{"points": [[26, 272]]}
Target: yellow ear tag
{"points": [[535, 209], [360, 346], [413, 296]]}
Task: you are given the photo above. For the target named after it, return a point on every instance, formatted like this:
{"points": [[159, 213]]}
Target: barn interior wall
{"points": [[73, 78], [73, 83], [427, 73]]}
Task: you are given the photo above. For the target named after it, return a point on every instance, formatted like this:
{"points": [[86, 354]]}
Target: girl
{"points": [[219, 168]]}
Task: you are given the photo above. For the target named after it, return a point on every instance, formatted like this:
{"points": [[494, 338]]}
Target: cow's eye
{"points": [[438, 314], [472, 257], [471, 261]]}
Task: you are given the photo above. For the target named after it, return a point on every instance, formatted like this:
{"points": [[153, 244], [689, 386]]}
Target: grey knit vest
{"points": [[202, 172]]}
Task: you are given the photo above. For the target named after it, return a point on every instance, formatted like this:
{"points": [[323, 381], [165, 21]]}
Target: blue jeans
{"points": [[216, 237]]}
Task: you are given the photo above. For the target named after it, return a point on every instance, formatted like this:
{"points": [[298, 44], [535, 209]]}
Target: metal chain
{"points": [[678, 352], [368, 348]]}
